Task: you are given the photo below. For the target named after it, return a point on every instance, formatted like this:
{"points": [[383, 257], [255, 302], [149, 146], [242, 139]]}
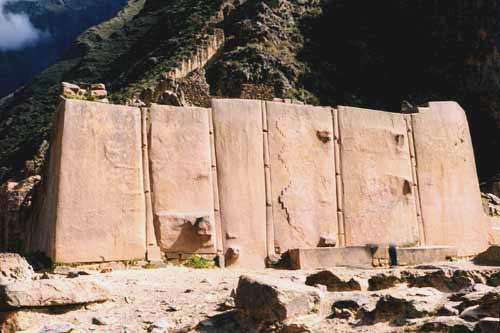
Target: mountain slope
{"points": [[320, 51]]}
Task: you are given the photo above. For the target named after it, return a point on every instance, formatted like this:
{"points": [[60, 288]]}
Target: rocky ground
{"points": [[446, 297]]}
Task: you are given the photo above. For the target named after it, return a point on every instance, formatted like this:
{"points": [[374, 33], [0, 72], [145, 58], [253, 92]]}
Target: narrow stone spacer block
{"points": [[425, 254], [153, 253], [356, 256]]}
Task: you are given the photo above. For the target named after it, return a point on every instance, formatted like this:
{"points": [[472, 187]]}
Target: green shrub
{"points": [[198, 262]]}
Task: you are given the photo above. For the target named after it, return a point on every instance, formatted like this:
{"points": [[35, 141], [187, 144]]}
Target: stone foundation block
{"points": [[358, 256], [421, 255]]}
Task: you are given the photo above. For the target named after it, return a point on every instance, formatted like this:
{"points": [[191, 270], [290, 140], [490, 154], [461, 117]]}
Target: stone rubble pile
{"points": [[15, 200], [491, 204], [92, 92], [21, 288], [426, 299], [451, 297]]}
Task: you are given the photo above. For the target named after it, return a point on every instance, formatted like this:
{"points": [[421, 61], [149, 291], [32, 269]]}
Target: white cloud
{"points": [[16, 30]]}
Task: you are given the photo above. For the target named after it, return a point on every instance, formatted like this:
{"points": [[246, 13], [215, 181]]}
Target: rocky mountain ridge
{"points": [[318, 51]]}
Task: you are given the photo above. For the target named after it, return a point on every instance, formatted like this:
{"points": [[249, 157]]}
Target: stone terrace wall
{"points": [[247, 179]]}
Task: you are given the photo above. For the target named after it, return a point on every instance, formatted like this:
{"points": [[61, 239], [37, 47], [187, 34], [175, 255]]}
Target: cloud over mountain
{"points": [[16, 30]]}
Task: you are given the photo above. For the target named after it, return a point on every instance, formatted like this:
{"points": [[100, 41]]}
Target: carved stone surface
{"points": [[95, 208], [379, 203], [181, 178], [182, 233], [449, 189], [302, 174], [279, 176], [240, 169]]}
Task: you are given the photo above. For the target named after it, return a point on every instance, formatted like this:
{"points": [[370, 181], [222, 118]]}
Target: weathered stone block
{"points": [[490, 257], [181, 179], [240, 170], [190, 233], [302, 173], [93, 209], [356, 256], [270, 300], [426, 254], [13, 267], [45, 293], [378, 191], [332, 281], [448, 186]]}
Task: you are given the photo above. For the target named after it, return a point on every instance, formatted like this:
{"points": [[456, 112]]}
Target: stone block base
{"points": [[421, 255], [495, 230], [322, 257], [153, 254], [368, 256]]}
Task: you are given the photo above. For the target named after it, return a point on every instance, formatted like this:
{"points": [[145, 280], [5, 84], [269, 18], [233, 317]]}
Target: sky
{"points": [[16, 30]]}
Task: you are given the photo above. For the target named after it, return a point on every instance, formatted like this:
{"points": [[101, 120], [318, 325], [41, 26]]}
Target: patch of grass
{"points": [[198, 262]]}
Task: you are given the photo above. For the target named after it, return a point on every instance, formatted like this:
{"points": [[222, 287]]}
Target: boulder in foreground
{"points": [[266, 299], [13, 267], [47, 293], [332, 281], [490, 257]]}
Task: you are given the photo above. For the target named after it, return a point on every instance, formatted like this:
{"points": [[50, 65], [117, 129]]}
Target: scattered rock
{"points": [[354, 302], [494, 279], [446, 325], [171, 308], [160, 326], [101, 321], [449, 309], [58, 328], [332, 281], [488, 324], [327, 241], [74, 274], [46, 293], [303, 324], [268, 299], [443, 280], [407, 303], [490, 257], [13, 267], [486, 306], [383, 281], [228, 304]]}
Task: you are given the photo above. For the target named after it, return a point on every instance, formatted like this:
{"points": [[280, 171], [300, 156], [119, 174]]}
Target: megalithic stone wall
{"points": [[248, 179], [93, 207], [239, 148], [181, 179], [302, 175], [449, 189], [379, 199]]}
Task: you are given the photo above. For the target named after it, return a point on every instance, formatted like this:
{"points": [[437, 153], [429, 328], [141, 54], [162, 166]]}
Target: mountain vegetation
{"points": [[328, 52]]}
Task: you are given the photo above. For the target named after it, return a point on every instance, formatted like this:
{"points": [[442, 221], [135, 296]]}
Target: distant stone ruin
{"points": [[249, 180]]}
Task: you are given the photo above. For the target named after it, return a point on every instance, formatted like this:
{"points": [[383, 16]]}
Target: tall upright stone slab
{"points": [[302, 174], [449, 190], [379, 203], [40, 233], [98, 211], [240, 169], [181, 178]]}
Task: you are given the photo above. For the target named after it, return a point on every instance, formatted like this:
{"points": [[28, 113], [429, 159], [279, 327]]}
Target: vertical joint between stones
{"points": [[270, 246], [414, 168], [150, 232], [215, 186], [338, 179]]}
